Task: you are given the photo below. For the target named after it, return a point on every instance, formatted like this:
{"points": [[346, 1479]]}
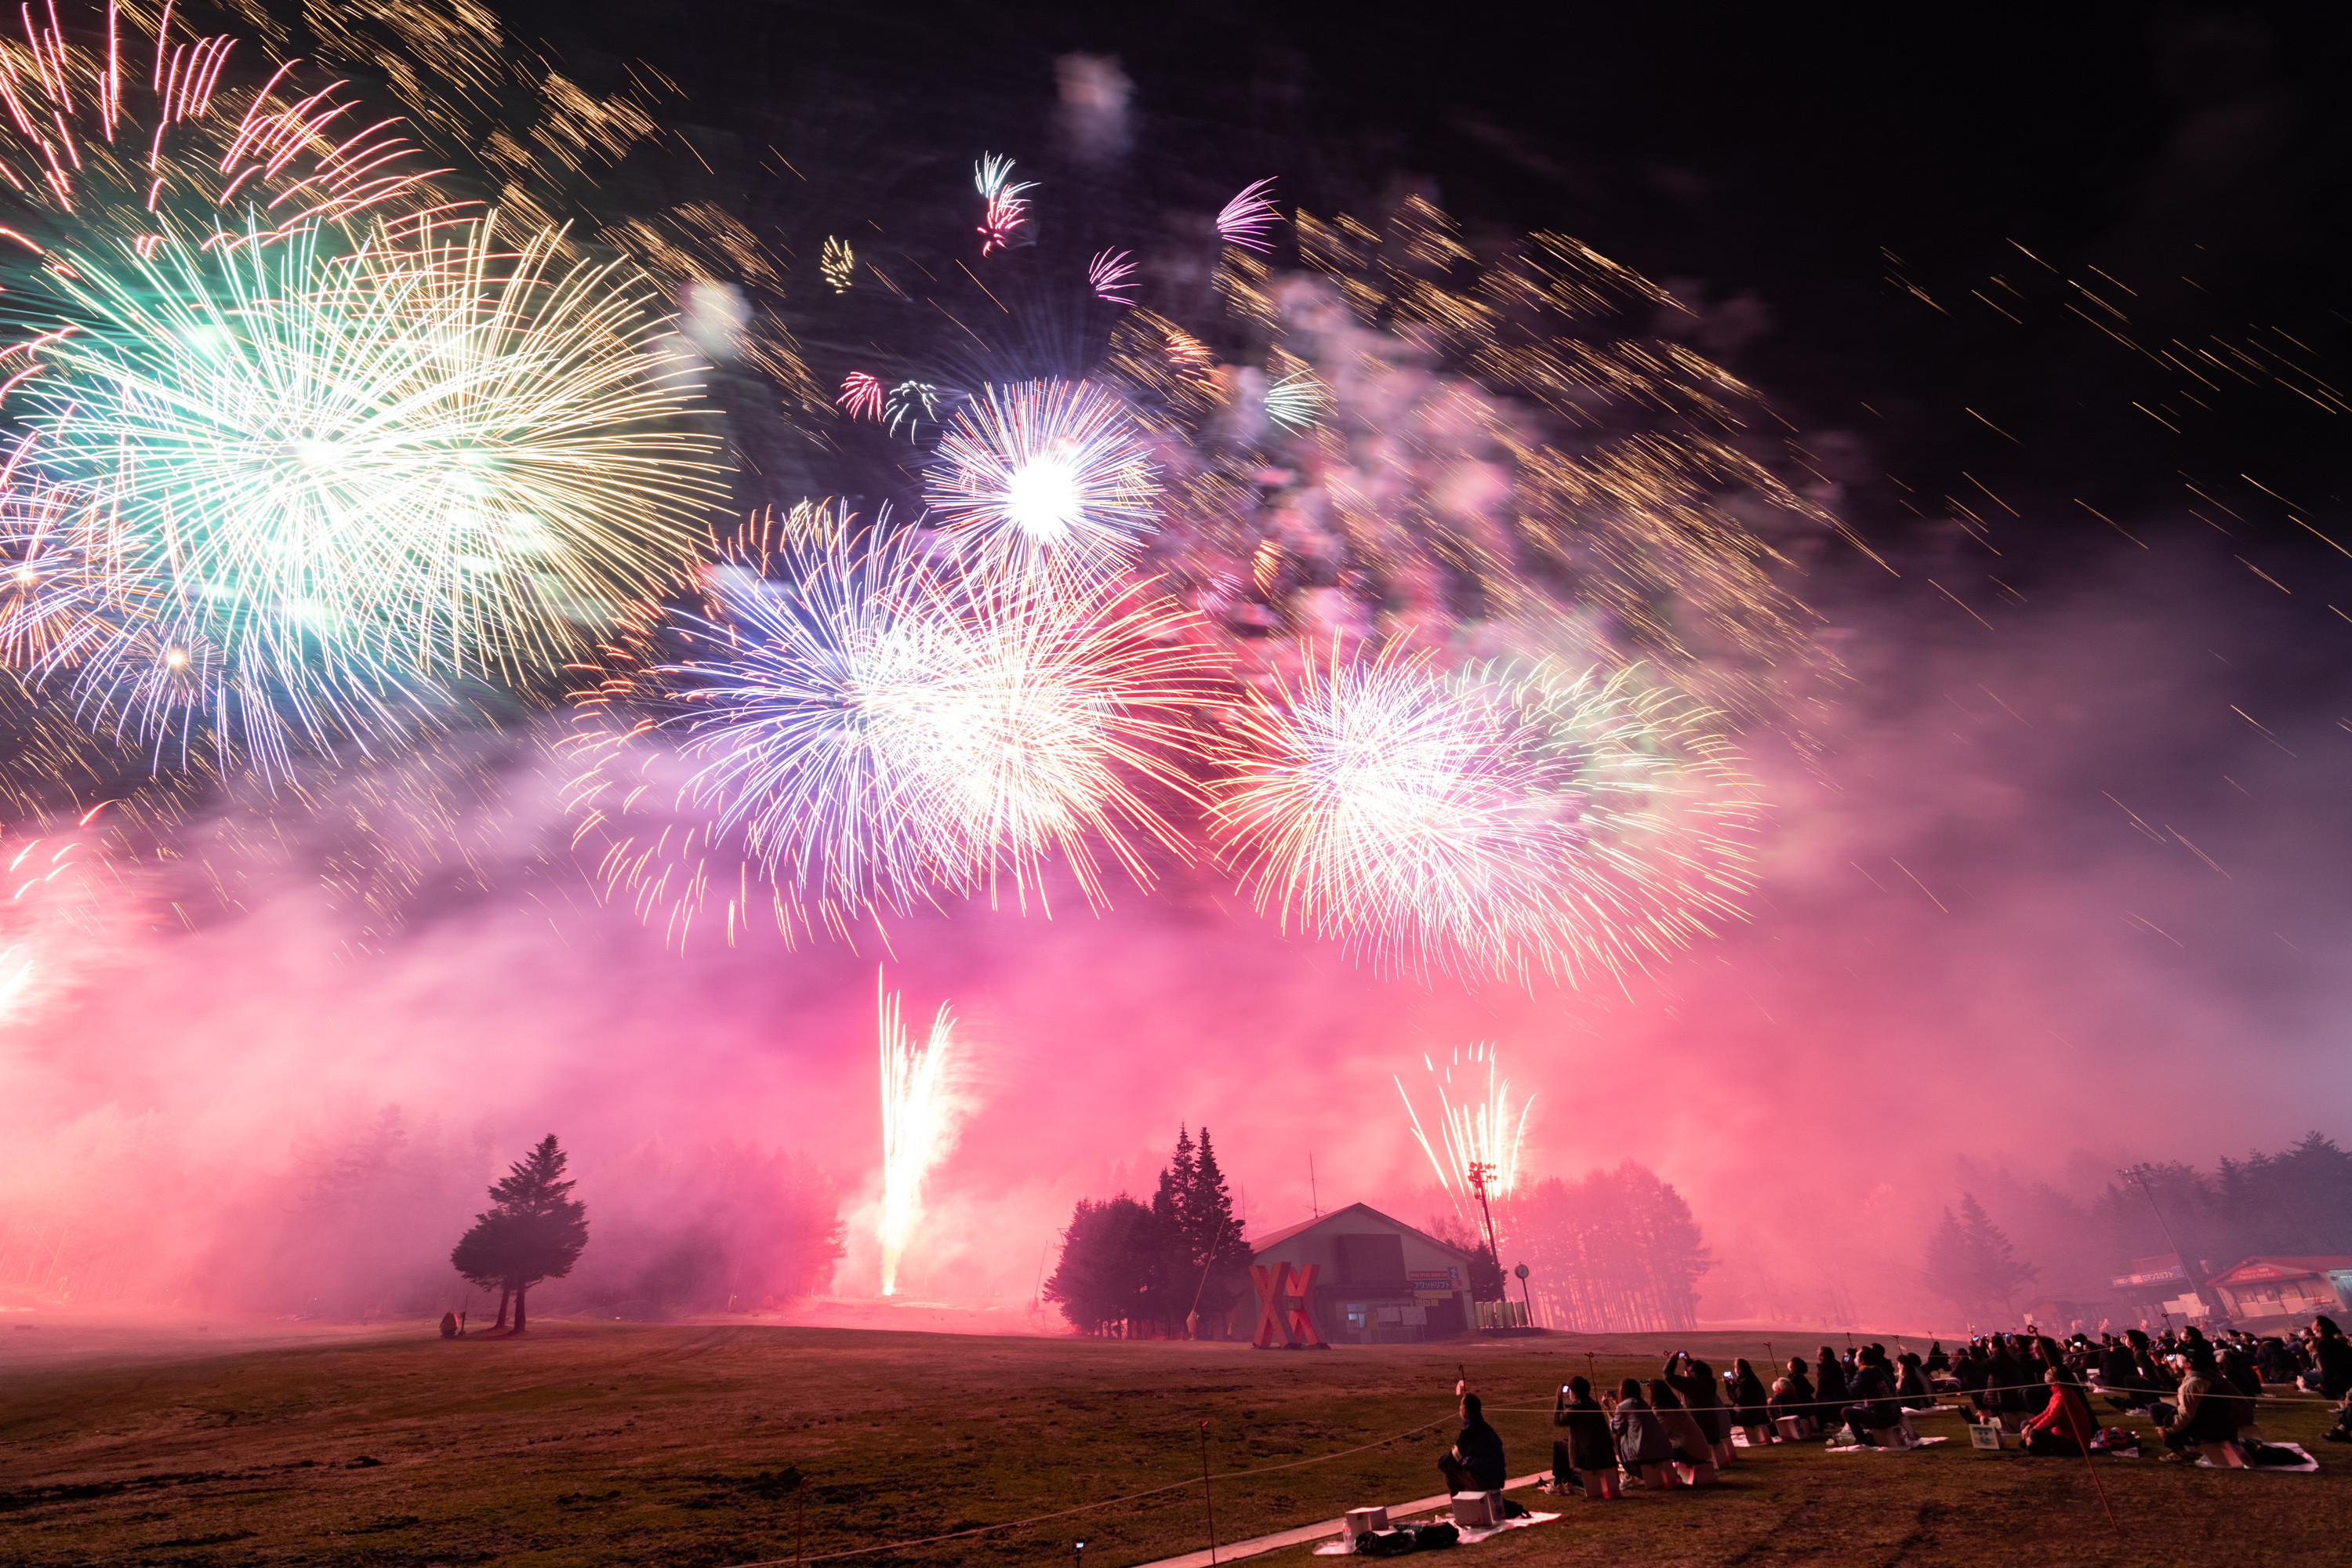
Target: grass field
{"points": [[679, 1445]]}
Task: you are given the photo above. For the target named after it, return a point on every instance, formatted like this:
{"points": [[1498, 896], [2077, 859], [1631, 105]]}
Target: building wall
{"points": [[1378, 1283]]}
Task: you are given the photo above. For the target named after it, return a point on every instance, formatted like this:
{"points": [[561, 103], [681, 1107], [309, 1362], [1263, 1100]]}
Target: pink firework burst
{"points": [[1112, 274], [1006, 211], [862, 397], [1248, 216]]}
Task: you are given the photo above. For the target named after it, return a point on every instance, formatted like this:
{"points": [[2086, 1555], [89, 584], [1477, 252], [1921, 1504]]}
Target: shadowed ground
{"points": [[603, 1443]]}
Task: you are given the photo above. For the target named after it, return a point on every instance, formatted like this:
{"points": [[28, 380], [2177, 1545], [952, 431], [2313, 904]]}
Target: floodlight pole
{"points": [[1480, 1170]]}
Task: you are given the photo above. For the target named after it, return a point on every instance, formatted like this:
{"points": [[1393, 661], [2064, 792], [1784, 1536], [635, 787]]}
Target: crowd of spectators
{"points": [[2198, 1392]]}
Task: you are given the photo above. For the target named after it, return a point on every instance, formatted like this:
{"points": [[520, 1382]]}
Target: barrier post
{"points": [[1205, 1496]]}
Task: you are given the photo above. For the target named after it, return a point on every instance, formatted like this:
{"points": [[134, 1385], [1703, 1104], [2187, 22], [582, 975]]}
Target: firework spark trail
{"points": [[1247, 217], [1048, 474], [1484, 1132], [1295, 401], [328, 487], [1111, 274], [1490, 824], [861, 396], [838, 264], [862, 735], [1007, 209], [98, 129]]}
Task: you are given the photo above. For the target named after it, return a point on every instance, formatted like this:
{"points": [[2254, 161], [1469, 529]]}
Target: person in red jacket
{"points": [[2065, 1425]]}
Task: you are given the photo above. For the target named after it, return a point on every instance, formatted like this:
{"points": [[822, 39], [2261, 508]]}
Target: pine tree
{"points": [[1213, 1236], [1971, 1264], [1173, 1202], [1113, 1268], [534, 1230]]}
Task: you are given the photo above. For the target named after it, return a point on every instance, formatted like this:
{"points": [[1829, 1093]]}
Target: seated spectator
{"points": [[1695, 1382], [2205, 1410], [2275, 1361], [2005, 1380], [1938, 1361], [1641, 1440], [1911, 1384], [1692, 1445], [2065, 1425], [1793, 1394], [1748, 1402], [1832, 1383], [1475, 1460], [2237, 1370], [2331, 1357], [1872, 1407], [1973, 1372], [1588, 1447]]}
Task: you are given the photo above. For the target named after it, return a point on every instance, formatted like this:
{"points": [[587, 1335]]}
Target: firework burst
{"points": [[859, 735], [1247, 217], [1007, 209], [320, 490], [1045, 474], [861, 396], [919, 1112], [1493, 823], [1111, 274]]}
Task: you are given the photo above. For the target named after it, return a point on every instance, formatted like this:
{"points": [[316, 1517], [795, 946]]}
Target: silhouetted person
{"points": [[1589, 1447], [1872, 1396], [1832, 1380], [1793, 1393], [1475, 1463]]}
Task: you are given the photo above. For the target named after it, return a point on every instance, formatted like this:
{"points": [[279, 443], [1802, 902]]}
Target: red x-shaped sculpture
{"points": [[1278, 1321]]}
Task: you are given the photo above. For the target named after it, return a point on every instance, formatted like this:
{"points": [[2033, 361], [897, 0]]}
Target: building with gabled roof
{"points": [[2284, 1287], [1377, 1280]]}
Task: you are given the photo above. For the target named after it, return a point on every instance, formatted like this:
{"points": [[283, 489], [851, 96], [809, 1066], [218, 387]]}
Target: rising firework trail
{"points": [[919, 1112], [1487, 1132]]}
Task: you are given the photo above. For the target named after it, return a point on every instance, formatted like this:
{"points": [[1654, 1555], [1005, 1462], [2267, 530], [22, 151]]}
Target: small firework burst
{"points": [[1045, 473], [1007, 210], [838, 264], [862, 397], [911, 402], [1247, 217], [1495, 822], [1111, 274], [1295, 401]]}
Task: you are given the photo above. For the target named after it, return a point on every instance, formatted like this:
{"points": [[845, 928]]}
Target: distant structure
{"points": [[2282, 1288], [1359, 1278]]}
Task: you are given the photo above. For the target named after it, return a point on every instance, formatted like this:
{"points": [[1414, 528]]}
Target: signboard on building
{"points": [[1429, 1282]]}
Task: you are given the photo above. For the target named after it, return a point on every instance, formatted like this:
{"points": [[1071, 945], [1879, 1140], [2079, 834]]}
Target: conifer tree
{"points": [[534, 1230]]}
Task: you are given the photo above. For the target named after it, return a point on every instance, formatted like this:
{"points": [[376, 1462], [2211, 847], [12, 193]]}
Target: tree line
{"points": [[1616, 1252], [1126, 1266], [2296, 1202]]}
